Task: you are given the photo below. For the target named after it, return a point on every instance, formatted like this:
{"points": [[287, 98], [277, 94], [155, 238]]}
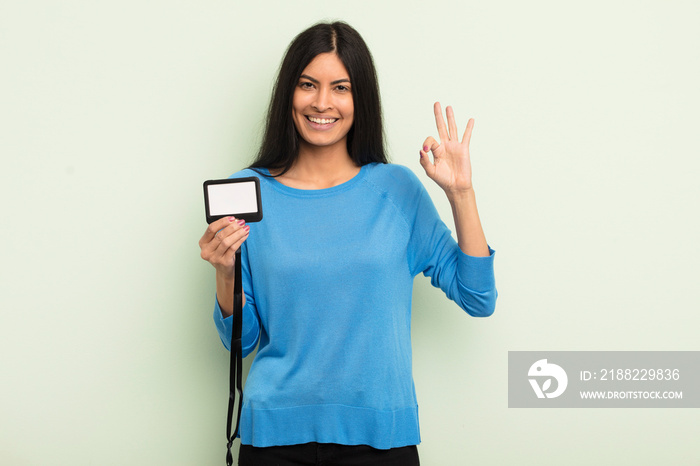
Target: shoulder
{"points": [[392, 173], [395, 180], [247, 172], [399, 186], [261, 174]]}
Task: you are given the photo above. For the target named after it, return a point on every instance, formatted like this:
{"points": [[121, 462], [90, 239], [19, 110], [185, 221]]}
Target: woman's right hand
{"points": [[220, 243]]}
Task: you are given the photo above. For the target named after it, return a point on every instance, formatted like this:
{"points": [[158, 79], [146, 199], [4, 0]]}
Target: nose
{"points": [[323, 100]]}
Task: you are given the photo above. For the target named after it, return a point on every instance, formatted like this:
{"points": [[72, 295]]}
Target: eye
{"points": [[306, 85], [342, 88]]}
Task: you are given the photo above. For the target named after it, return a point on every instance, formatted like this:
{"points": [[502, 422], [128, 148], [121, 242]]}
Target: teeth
{"points": [[322, 121]]}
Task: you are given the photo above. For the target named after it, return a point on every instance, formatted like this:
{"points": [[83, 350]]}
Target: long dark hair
{"points": [[280, 144]]}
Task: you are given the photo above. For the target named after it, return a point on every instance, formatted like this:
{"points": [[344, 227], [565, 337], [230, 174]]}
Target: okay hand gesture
{"points": [[451, 167]]}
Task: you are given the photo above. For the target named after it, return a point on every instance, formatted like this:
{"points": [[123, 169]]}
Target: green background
{"points": [[585, 157]]}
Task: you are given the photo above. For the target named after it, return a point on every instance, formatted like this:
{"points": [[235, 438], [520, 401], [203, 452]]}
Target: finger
{"points": [[440, 122], [451, 124], [468, 132], [229, 230], [232, 241], [213, 228], [213, 238], [426, 164], [430, 145], [231, 251]]}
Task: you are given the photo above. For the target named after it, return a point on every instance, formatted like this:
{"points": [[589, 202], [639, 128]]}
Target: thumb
{"points": [[429, 145], [427, 164]]}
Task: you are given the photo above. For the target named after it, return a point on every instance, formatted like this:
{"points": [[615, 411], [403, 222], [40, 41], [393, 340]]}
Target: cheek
{"points": [[349, 111], [351, 117], [297, 114], [297, 102]]}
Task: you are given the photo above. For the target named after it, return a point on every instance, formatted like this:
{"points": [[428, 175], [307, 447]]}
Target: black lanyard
{"points": [[235, 372]]}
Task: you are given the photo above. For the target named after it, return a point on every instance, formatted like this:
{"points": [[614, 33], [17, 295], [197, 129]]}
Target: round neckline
{"points": [[315, 192]]}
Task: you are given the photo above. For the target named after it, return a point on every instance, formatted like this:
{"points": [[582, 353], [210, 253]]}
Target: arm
{"points": [[218, 246], [467, 280], [470, 235], [474, 289], [224, 293]]}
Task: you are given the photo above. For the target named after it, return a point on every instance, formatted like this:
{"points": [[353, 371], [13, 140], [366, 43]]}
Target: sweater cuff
{"points": [[224, 326], [476, 273]]}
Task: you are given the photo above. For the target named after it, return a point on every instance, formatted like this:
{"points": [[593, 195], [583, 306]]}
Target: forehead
{"points": [[326, 65]]}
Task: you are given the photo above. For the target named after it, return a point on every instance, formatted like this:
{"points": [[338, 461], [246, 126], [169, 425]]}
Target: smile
{"points": [[322, 121]]}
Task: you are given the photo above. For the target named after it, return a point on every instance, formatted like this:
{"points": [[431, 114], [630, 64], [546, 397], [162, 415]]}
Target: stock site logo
{"points": [[542, 370]]}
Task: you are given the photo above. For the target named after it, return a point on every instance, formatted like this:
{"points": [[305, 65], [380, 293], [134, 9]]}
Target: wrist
{"points": [[225, 274], [457, 195]]}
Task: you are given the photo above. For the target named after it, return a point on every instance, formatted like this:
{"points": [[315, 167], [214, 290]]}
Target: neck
{"points": [[320, 167]]}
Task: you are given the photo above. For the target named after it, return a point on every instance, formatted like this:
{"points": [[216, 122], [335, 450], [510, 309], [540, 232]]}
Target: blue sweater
{"points": [[328, 277]]}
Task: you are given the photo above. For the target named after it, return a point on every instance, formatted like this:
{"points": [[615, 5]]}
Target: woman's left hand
{"points": [[451, 168]]}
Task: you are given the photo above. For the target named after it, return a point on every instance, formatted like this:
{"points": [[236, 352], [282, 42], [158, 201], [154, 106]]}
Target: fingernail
{"points": [[241, 222], [420, 154], [246, 228], [231, 219], [425, 148]]}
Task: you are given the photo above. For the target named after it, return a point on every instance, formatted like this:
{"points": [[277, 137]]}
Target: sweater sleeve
{"points": [[250, 332], [467, 280]]}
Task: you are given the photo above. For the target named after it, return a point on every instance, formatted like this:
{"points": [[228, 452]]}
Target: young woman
{"points": [[328, 274]]}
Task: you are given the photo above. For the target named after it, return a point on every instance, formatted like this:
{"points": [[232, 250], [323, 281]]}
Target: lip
{"points": [[318, 126]]}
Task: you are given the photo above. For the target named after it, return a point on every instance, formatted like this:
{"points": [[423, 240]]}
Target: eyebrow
{"points": [[344, 80]]}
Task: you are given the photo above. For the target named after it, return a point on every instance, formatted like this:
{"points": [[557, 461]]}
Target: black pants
{"points": [[327, 454]]}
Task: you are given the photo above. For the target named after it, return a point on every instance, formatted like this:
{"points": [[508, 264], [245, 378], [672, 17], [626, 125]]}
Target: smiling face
{"points": [[322, 108]]}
